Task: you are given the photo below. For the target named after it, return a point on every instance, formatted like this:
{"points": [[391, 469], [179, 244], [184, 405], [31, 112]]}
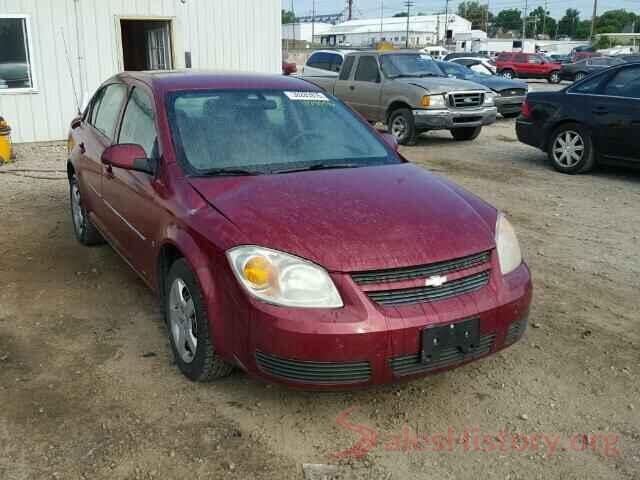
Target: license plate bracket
{"points": [[462, 336]]}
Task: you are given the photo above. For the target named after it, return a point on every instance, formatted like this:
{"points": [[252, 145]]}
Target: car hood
{"points": [[441, 84], [498, 84], [355, 219]]}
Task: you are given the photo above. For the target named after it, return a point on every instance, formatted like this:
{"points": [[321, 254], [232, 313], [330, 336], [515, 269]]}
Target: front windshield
{"points": [[269, 131], [409, 65]]}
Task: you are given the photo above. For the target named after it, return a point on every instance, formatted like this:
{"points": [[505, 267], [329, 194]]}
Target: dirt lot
{"points": [[88, 389]]}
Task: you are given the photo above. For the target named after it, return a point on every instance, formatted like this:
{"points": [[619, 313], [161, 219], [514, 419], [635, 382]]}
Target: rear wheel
{"points": [[579, 76], [466, 133], [571, 149], [85, 232], [402, 126], [508, 74], [188, 324], [554, 77]]}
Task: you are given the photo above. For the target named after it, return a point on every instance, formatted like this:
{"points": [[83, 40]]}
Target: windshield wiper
{"points": [[220, 172], [317, 166]]}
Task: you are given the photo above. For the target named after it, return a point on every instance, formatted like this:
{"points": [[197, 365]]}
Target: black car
{"points": [[596, 119], [579, 70], [510, 93]]}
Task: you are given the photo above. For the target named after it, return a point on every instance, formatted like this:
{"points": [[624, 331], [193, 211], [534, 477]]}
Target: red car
{"points": [[289, 68], [527, 65], [286, 237]]}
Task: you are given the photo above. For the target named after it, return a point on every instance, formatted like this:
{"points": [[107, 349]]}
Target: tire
{"points": [[579, 76], [85, 231], [508, 73], [554, 77], [465, 133], [580, 158], [510, 114], [402, 126], [188, 325]]}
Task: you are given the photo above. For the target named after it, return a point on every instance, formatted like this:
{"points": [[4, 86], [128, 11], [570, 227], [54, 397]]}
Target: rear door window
{"points": [[367, 70], [321, 60], [625, 83], [106, 117], [520, 58], [347, 66]]}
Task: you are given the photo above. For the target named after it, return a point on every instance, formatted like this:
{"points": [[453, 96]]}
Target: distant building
{"points": [[303, 31], [423, 30]]}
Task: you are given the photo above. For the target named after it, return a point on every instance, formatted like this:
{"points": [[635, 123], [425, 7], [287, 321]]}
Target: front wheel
{"points": [[571, 149], [188, 324], [466, 133], [85, 232], [402, 126], [510, 74], [554, 77]]}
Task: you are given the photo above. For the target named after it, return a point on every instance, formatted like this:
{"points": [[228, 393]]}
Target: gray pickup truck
{"points": [[407, 91]]}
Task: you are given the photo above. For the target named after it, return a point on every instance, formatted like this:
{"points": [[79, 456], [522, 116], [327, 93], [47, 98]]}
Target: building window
{"points": [[16, 64]]}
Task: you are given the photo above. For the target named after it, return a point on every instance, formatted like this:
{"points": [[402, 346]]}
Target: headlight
{"points": [[283, 279], [489, 99], [433, 101], [509, 255]]}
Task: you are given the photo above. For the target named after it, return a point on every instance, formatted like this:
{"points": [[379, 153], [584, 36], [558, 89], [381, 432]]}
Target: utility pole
{"points": [[408, 4], [593, 19], [381, 18], [349, 9], [524, 24], [446, 21], [313, 22], [544, 19]]}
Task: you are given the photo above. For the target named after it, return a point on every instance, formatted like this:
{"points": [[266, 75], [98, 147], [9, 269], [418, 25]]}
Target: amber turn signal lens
{"points": [[426, 101], [258, 271]]}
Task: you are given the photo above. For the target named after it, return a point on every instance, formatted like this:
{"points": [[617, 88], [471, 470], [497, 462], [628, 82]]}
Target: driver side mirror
{"points": [[390, 140], [127, 156]]}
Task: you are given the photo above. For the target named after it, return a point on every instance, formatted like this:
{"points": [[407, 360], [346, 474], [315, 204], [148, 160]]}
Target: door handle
{"points": [[82, 149], [108, 170], [351, 87]]}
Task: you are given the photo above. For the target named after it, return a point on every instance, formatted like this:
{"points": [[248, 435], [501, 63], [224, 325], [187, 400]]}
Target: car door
{"points": [[521, 65], [100, 131], [364, 91], [535, 66], [616, 115], [130, 195]]}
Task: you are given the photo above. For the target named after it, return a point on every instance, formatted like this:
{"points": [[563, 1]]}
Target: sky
{"points": [[371, 8]]}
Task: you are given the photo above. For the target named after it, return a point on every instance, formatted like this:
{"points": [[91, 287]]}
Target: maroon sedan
{"points": [[287, 237]]}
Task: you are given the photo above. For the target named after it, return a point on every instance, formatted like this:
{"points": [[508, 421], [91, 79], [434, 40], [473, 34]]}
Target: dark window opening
{"points": [[146, 45]]}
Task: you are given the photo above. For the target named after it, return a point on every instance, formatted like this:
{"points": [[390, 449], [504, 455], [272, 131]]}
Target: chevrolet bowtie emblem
{"points": [[435, 281]]}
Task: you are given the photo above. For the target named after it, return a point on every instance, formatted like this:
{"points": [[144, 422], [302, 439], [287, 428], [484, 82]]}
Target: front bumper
{"points": [[509, 104], [446, 119], [365, 344]]}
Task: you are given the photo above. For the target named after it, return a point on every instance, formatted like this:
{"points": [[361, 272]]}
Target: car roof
{"points": [[172, 80]]}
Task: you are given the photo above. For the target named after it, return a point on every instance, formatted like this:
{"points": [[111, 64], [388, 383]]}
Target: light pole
{"points": [[408, 4], [524, 25], [593, 19]]}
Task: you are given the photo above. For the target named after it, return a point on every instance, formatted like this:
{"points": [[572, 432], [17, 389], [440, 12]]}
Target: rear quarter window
{"points": [[320, 60]]}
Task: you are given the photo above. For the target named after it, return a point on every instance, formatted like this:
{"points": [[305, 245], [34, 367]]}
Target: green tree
{"points": [[568, 24], [616, 21], [400, 14], [477, 14], [509, 19], [288, 16], [541, 20]]}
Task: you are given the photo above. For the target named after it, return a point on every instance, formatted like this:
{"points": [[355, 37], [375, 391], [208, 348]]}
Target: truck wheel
{"points": [[508, 74], [402, 126], [554, 77], [466, 133]]}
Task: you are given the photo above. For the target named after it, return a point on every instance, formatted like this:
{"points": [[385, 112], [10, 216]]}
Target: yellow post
{"points": [[5, 141]]}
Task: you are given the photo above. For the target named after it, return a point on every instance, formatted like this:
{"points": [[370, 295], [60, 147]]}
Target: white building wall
{"points": [[303, 31], [220, 34]]}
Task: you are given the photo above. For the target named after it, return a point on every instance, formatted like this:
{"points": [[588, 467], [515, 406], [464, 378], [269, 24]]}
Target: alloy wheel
{"points": [[399, 127], [568, 149], [76, 209], [182, 320], [579, 76]]}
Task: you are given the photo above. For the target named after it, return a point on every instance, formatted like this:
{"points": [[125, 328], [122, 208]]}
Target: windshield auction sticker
{"points": [[307, 96]]}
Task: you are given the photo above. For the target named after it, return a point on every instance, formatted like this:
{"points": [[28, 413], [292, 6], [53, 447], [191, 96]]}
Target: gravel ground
{"points": [[88, 388]]}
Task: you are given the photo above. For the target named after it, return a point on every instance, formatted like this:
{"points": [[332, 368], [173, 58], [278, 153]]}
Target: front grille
{"points": [[422, 271], [412, 364], [313, 372], [514, 92], [516, 330], [404, 296], [466, 99]]}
